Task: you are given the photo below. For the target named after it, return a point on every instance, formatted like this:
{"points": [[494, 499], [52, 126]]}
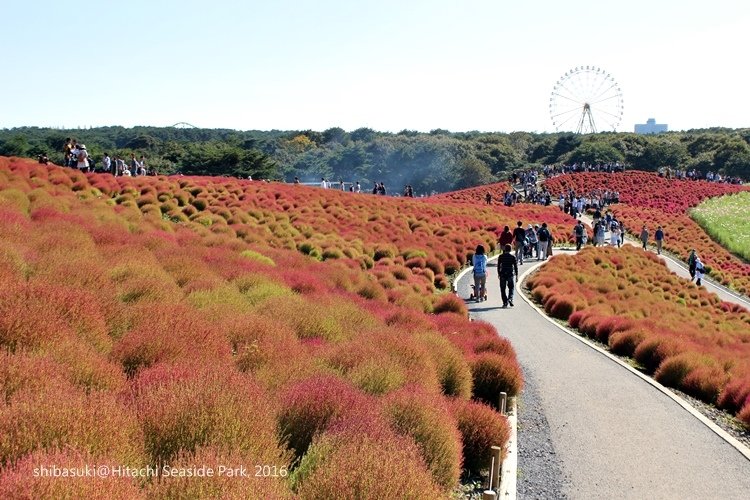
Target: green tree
{"points": [[472, 172], [664, 151], [595, 153], [17, 145]]}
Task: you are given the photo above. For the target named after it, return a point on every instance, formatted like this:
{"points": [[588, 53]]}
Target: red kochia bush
{"points": [[744, 414], [450, 303], [20, 480], [734, 395], [494, 374], [310, 406], [364, 460], [273, 485], [481, 428], [184, 408], [67, 418], [168, 334]]}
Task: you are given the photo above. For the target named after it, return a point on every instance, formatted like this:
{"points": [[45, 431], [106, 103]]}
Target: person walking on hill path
{"points": [[545, 242], [692, 258], [699, 271], [507, 269], [579, 231], [519, 238], [479, 261], [659, 238], [614, 237], [533, 241], [644, 236], [506, 237]]}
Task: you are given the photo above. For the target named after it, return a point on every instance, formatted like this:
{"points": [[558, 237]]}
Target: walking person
{"points": [[644, 236], [692, 258], [614, 234], [659, 238], [545, 241], [479, 261], [599, 233], [699, 271], [506, 237], [519, 238], [579, 231], [507, 268], [533, 241]]}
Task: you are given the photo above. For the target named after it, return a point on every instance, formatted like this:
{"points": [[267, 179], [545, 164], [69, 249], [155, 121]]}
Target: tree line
{"points": [[439, 160]]}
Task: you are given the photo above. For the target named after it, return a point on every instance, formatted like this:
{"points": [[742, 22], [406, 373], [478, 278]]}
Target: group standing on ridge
{"points": [[75, 155]]}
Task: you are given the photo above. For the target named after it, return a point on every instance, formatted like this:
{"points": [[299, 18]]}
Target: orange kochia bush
{"points": [[686, 337], [185, 321], [646, 198]]}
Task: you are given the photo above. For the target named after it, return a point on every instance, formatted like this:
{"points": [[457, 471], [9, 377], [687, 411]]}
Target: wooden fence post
{"points": [[497, 465]]}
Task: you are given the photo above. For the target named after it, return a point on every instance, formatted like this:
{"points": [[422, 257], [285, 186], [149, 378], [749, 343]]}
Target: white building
{"points": [[650, 127]]}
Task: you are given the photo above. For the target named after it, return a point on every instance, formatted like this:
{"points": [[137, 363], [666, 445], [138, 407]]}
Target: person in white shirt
{"points": [[107, 163], [82, 155]]}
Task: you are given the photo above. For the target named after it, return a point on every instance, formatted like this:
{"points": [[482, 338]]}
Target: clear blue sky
{"points": [[386, 64]]}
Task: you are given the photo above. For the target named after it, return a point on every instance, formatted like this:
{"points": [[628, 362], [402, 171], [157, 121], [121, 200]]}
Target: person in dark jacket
{"points": [[507, 268], [659, 238], [506, 237], [519, 240]]}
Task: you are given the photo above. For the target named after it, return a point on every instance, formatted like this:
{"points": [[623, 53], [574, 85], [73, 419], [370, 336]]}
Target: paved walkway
{"points": [[613, 434]]}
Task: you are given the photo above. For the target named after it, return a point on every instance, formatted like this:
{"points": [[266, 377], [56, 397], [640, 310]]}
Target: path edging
{"points": [[509, 470], [744, 450]]}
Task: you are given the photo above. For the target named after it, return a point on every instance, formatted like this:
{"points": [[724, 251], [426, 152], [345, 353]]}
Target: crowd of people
{"points": [[75, 155], [532, 242], [611, 167], [694, 175], [576, 203], [378, 188]]}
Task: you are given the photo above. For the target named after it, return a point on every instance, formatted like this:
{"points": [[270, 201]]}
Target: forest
{"points": [[435, 161]]}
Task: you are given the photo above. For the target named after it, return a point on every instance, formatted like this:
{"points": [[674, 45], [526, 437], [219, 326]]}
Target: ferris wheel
{"points": [[586, 99]]}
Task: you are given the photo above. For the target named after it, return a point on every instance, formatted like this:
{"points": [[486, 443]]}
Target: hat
{"points": [[529, 226], [81, 146]]}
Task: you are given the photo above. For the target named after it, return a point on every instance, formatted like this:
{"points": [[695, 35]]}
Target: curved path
{"points": [[591, 428]]}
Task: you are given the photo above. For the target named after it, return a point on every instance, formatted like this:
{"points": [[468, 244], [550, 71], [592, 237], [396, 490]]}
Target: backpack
{"points": [[480, 265]]}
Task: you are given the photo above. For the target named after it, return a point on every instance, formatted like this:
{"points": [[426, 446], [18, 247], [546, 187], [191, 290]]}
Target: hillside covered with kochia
{"points": [[651, 200], [187, 321]]}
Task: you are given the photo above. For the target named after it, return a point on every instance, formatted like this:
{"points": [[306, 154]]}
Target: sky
{"points": [[390, 65]]}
